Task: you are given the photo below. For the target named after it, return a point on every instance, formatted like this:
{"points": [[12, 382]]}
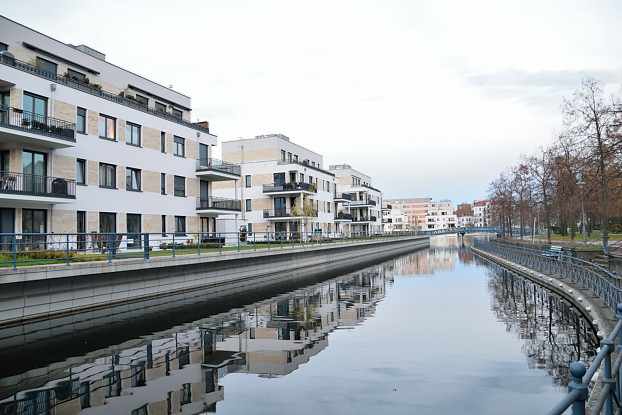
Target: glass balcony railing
{"points": [[289, 213]]}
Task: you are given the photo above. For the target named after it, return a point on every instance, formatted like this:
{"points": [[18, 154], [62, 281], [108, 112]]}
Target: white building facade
{"points": [[441, 215], [481, 213], [394, 219]]}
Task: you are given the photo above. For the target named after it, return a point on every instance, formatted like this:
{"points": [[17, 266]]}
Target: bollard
{"points": [[146, 247], [577, 370]]}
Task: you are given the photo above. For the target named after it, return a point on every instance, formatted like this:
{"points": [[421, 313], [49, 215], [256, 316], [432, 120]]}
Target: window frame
{"points": [[138, 176], [177, 113], [113, 167], [107, 118], [81, 113], [248, 181], [160, 107], [131, 128], [163, 142], [81, 167], [77, 76], [163, 184], [248, 205], [163, 224], [176, 192], [46, 61], [176, 144], [180, 220]]}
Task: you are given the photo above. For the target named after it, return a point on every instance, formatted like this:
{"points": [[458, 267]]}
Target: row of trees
{"points": [[574, 184]]}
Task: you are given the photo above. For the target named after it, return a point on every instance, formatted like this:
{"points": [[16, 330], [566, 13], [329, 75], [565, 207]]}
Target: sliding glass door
{"points": [[34, 167]]}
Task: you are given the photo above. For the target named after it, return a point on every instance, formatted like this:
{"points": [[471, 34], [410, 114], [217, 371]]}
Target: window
{"points": [[107, 222], [247, 181], [296, 158], [132, 179], [163, 225], [45, 65], [162, 141], [180, 146], [134, 238], [289, 157], [142, 100], [107, 127], [107, 175], [249, 229], [113, 382], [180, 225], [81, 171], [132, 134], [282, 155], [160, 107], [248, 205], [85, 394], [162, 183], [180, 186], [76, 76], [81, 121], [177, 113], [186, 393], [35, 106]]}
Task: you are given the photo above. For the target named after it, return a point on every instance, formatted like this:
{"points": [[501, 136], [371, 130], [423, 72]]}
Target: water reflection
{"points": [[181, 370]]}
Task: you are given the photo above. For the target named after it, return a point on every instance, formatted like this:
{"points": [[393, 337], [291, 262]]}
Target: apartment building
{"points": [[416, 210], [285, 190], [359, 204], [87, 146], [481, 213], [464, 214], [394, 219], [441, 215]]}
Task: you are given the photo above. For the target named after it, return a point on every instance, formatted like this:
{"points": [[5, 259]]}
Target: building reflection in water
{"points": [[553, 332], [179, 371]]}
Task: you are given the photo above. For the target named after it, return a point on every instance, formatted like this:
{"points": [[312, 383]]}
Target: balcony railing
{"points": [[287, 187], [37, 124], [343, 216], [372, 202], [219, 203], [95, 89], [373, 218], [289, 213], [360, 202], [346, 196], [218, 165], [28, 184], [360, 219]]}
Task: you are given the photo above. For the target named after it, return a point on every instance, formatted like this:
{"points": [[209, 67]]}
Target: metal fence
{"points": [[605, 285], [37, 123], [31, 184], [32, 249]]}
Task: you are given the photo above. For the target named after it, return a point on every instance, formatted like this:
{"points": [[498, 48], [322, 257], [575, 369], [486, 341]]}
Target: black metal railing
{"points": [[360, 202], [95, 89], [219, 203], [285, 187], [343, 216], [373, 218], [289, 213], [372, 202], [29, 184], [345, 196], [360, 219], [218, 165], [36, 123]]}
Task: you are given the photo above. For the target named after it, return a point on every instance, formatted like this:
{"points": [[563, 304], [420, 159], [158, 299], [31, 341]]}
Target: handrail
{"points": [[95, 89], [219, 203], [291, 186], [218, 165], [37, 123], [31, 184], [604, 285]]}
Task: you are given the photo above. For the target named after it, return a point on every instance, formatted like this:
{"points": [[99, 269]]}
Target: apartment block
{"points": [[394, 219], [481, 213], [416, 210], [464, 214], [441, 215], [285, 190], [359, 204], [87, 146]]}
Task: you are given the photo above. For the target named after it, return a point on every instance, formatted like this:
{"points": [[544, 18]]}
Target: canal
{"points": [[438, 331]]}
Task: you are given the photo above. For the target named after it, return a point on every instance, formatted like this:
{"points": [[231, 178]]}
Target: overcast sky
{"points": [[431, 98]]}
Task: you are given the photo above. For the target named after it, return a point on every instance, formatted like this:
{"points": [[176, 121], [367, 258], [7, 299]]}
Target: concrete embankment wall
{"points": [[30, 295]]}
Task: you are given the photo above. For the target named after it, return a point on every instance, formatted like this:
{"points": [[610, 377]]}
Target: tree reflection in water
{"points": [[553, 331]]}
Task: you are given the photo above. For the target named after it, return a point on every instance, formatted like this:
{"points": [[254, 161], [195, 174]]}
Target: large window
{"points": [[35, 105], [81, 171], [45, 65], [180, 186], [34, 221], [247, 180], [282, 155], [107, 127], [76, 76], [162, 183], [162, 141], [160, 107], [177, 113], [133, 231], [107, 176], [180, 146], [180, 225], [132, 134], [132, 179], [107, 222], [81, 121]]}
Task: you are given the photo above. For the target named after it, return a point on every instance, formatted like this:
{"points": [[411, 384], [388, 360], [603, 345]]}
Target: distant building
{"points": [[394, 219], [415, 209], [441, 215], [481, 213], [464, 214]]}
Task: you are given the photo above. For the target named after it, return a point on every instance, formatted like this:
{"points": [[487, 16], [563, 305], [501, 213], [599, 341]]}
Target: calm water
{"points": [[433, 332]]}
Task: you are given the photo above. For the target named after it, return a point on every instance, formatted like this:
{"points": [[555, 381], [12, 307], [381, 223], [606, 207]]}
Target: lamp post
{"points": [[581, 183]]}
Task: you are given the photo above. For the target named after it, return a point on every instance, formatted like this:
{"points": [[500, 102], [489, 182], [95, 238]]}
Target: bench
{"points": [[554, 251]]}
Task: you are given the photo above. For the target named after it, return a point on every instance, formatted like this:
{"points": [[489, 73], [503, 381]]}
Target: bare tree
{"points": [[541, 170]]}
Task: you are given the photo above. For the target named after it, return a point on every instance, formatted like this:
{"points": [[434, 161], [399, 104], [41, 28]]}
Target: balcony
{"points": [[214, 206], [289, 213], [96, 90], [18, 187], [343, 217], [289, 188], [34, 129], [343, 197], [362, 203], [216, 170]]}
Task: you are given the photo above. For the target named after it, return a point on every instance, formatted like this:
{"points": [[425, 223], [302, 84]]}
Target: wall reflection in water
{"points": [[179, 372]]}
